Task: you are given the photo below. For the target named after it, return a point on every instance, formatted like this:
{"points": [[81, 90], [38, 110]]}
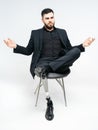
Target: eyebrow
{"points": [[49, 17]]}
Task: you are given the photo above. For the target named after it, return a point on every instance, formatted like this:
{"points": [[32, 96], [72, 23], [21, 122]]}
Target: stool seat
{"points": [[58, 75]]}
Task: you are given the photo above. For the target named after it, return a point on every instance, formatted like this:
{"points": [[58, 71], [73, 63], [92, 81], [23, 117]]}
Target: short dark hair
{"points": [[46, 11]]}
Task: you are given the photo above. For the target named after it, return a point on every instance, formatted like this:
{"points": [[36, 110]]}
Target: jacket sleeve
{"points": [[26, 50], [82, 49]]}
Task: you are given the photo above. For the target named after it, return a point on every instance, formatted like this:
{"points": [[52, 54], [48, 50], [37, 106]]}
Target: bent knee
{"points": [[76, 52]]}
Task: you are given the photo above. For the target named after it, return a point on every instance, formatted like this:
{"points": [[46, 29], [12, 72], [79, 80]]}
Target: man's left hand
{"points": [[88, 41]]}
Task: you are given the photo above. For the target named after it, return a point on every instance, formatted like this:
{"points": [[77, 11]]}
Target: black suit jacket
{"points": [[35, 46]]}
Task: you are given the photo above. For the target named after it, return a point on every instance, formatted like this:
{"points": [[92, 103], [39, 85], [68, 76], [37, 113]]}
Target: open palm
{"points": [[10, 43]]}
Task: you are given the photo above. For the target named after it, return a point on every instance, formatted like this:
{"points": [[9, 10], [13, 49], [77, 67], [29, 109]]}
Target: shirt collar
{"points": [[47, 30]]}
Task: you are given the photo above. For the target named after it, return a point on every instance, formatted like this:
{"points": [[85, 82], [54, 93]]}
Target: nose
{"points": [[50, 20]]}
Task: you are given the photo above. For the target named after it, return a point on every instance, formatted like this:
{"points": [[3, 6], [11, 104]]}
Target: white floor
{"points": [[18, 111]]}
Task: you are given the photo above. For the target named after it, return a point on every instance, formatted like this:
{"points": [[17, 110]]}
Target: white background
{"points": [[17, 111]]}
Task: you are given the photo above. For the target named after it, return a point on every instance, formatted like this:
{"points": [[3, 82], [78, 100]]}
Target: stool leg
{"points": [[63, 87], [61, 83]]}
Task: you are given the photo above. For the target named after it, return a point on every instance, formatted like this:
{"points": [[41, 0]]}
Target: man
{"points": [[52, 51]]}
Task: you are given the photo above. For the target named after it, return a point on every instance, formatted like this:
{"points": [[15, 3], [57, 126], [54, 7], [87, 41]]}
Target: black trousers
{"points": [[60, 64]]}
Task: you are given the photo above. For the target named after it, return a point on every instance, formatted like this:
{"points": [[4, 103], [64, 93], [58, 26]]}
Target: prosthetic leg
{"points": [[49, 110]]}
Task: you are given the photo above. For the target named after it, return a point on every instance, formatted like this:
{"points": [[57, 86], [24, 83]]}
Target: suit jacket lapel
{"points": [[40, 38], [60, 33]]}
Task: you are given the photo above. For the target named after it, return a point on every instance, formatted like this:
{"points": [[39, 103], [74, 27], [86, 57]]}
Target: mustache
{"points": [[50, 23]]}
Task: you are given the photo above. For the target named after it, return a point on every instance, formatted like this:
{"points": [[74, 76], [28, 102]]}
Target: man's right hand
{"points": [[10, 43]]}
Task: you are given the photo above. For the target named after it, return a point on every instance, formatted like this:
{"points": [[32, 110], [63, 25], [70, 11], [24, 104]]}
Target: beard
{"points": [[49, 26]]}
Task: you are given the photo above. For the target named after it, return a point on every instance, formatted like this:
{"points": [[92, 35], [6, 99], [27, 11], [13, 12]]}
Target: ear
{"points": [[42, 20]]}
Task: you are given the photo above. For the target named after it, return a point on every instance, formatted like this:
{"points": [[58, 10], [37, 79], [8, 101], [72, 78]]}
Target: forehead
{"points": [[49, 15]]}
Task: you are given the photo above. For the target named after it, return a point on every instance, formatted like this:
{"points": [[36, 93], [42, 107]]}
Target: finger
{"points": [[9, 39], [93, 39], [5, 41]]}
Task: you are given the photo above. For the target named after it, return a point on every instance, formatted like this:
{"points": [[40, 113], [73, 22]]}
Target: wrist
{"points": [[83, 45], [15, 46]]}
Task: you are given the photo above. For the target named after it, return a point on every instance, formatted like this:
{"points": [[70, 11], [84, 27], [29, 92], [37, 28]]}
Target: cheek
{"points": [[45, 21], [53, 20]]}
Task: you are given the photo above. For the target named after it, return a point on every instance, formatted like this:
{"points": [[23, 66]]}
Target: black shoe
{"points": [[49, 111]]}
